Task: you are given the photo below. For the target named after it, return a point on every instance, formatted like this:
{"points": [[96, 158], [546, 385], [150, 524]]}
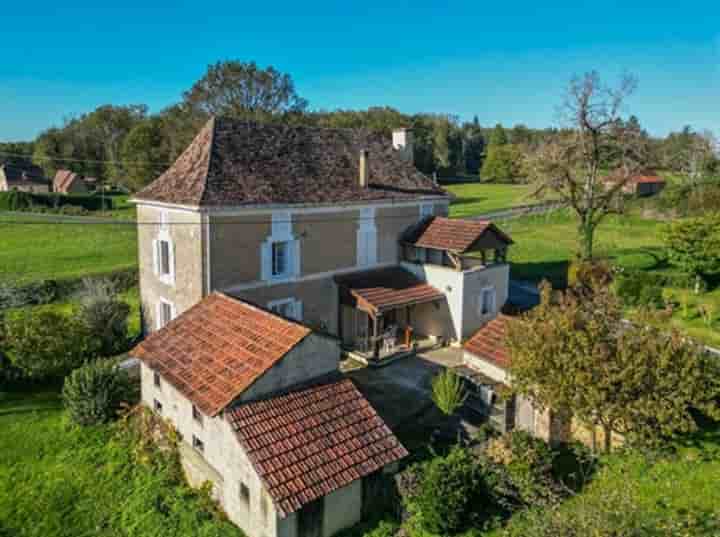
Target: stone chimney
{"points": [[364, 169], [402, 140]]}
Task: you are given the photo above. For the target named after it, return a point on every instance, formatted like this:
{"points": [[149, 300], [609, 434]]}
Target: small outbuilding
{"points": [[68, 182], [291, 448]]}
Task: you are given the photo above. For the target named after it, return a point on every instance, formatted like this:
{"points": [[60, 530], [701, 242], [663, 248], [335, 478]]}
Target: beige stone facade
{"points": [[223, 250]]}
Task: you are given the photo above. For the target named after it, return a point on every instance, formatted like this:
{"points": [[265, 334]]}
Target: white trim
{"points": [[310, 277], [164, 236], [481, 301], [367, 244], [426, 209], [205, 221], [298, 208], [295, 309], [158, 312]]}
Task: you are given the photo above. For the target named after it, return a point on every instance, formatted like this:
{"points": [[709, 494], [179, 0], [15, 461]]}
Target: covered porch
{"points": [[383, 314]]}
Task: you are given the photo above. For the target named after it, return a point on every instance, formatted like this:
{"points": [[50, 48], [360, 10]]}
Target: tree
{"points": [[498, 136], [144, 153], [571, 164], [243, 90], [573, 353], [693, 245], [448, 392], [46, 344], [105, 316], [502, 164]]}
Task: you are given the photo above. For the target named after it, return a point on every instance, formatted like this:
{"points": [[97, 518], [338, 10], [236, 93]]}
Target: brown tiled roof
{"points": [[234, 162], [218, 348], [309, 443], [380, 290], [63, 179], [452, 234], [489, 344]]}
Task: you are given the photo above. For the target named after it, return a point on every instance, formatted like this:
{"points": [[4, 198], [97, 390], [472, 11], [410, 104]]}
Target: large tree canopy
{"points": [[574, 353], [244, 90]]}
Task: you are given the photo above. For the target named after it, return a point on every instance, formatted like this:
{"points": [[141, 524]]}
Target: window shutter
{"points": [[295, 257], [371, 245], [171, 261], [361, 248], [156, 257], [266, 260], [493, 300], [158, 316]]}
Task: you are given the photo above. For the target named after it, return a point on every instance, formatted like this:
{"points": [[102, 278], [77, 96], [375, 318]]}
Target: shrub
{"points": [[453, 494], [23, 201], [94, 392], [448, 392], [105, 315], [528, 463], [639, 289], [47, 344]]}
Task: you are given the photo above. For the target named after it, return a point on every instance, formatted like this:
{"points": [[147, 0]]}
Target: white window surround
{"points": [[287, 307], [164, 268], [367, 244], [487, 300], [426, 209], [280, 263], [164, 306]]}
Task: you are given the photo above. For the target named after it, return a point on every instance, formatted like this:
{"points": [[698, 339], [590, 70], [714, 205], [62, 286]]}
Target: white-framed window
{"points": [[287, 307], [280, 258], [245, 494], [156, 379], [280, 253], [198, 444], [165, 312], [157, 405], [164, 258], [426, 209], [367, 248], [487, 301]]}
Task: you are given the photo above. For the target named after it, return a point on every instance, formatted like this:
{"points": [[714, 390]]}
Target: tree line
{"points": [[130, 146]]}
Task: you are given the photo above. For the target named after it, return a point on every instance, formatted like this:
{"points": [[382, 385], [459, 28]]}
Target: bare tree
{"points": [[698, 157], [596, 141]]}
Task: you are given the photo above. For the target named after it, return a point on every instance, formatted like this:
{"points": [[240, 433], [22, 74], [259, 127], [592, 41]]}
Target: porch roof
{"points": [[378, 291], [456, 235]]}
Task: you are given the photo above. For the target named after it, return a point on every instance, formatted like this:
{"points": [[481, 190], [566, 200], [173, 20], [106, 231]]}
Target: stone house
{"points": [[290, 448], [486, 360], [67, 182], [333, 227], [26, 178]]}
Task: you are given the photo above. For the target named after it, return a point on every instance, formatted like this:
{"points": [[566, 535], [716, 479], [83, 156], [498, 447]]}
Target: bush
{"points": [[24, 201], [453, 495], [448, 392], [93, 393], [47, 344], [528, 466], [105, 315], [639, 289]]}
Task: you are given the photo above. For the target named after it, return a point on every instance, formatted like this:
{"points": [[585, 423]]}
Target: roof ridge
{"points": [[211, 123]]}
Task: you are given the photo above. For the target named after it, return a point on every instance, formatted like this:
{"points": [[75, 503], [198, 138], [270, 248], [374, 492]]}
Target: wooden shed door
{"points": [[310, 519]]}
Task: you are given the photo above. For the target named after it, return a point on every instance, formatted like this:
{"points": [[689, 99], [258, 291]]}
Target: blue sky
{"points": [[504, 61]]}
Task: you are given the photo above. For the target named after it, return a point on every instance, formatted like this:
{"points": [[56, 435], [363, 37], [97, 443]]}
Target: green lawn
{"points": [[545, 244], [61, 481], [677, 492], [477, 198], [44, 250]]}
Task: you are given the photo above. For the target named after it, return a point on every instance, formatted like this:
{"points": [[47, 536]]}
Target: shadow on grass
{"points": [[469, 200], [26, 397], [553, 271]]}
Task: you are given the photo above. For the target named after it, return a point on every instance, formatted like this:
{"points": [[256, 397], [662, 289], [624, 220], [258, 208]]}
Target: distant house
{"points": [[290, 447], [26, 178], [639, 185], [68, 182]]}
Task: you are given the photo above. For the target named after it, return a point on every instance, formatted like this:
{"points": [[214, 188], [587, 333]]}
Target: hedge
{"points": [[47, 291], [23, 201]]}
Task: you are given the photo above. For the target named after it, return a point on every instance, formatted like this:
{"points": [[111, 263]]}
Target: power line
{"points": [[68, 159]]}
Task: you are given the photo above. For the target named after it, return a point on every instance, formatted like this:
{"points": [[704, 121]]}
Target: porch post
{"points": [[376, 338]]}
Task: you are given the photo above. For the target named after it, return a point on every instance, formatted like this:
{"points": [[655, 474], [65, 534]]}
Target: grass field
{"points": [[61, 481], [545, 244], [478, 198], [44, 250]]}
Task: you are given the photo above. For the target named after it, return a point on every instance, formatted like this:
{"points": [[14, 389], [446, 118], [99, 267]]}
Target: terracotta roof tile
{"points": [[233, 162], [489, 344], [385, 289], [310, 442], [452, 234], [218, 348]]}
